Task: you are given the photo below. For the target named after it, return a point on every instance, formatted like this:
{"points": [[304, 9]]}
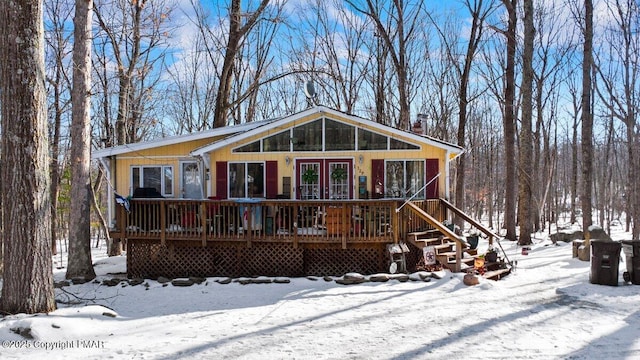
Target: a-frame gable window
{"points": [[339, 136], [278, 142], [396, 144], [368, 140], [308, 137], [251, 147], [325, 135]]}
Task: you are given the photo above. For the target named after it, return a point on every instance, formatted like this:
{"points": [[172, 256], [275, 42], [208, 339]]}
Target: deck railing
{"points": [[309, 221]]}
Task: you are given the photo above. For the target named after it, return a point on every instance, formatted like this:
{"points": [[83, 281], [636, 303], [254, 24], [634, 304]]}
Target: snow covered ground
{"points": [[546, 309]]}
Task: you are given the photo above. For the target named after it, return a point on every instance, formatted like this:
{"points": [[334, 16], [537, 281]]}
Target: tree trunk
{"points": [[27, 285], [510, 124], [236, 32], [525, 201], [80, 265], [587, 122]]}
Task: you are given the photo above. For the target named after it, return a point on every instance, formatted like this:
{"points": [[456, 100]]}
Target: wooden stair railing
{"points": [[446, 232], [490, 234]]}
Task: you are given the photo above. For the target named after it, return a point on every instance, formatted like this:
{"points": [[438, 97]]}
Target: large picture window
{"points": [[339, 136], [246, 180], [404, 178], [157, 177]]}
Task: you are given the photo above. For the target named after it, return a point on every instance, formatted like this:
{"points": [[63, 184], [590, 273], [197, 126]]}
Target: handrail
{"points": [[276, 220], [490, 234], [444, 230]]}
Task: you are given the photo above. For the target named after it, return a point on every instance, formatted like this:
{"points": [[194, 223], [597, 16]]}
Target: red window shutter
{"points": [[271, 179], [377, 178], [221, 179], [432, 169]]}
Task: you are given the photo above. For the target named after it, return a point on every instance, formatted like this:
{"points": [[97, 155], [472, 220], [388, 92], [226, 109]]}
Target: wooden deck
{"points": [[178, 237]]}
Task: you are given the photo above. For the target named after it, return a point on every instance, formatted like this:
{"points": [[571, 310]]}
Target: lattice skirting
{"points": [[149, 259]]}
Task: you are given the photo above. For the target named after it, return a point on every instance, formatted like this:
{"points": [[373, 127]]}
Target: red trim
{"points": [[271, 179], [221, 179], [431, 170]]}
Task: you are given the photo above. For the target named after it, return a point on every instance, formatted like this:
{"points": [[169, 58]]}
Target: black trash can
{"points": [[605, 257], [631, 250]]}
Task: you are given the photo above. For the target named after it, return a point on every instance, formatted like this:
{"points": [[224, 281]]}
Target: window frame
{"points": [[406, 182], [231, 194], [163, 183]]}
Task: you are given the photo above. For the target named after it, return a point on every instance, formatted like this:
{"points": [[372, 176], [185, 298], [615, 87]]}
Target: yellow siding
{"points": [[169, 155]]}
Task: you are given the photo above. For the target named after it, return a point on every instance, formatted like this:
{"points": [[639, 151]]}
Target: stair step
{"points": [[429, 241], [417, 234], [497, 274], [443, 246]]}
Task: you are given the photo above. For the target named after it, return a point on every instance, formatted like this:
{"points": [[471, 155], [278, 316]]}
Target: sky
{"points": [[546, 309]]}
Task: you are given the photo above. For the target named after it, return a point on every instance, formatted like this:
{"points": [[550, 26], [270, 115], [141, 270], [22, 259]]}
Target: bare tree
{"points": [[618, 89], [525, 201], [58, 13], [396, 34], [133, 37], [80, 265], [587, 122], [509, 121], [479, 11], [238, 29], [27, 284], [193, 91], [333, 52]]}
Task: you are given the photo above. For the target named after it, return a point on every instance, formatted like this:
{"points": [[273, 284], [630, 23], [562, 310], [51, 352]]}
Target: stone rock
{"points": [[163, 280], [181, 282], [566, 236], [328, 278], [136, 281], [260, 280], [596, 232], [197, 279], [111, 282], [400, 277], [350, 281], [420, 276], [109, 314], [379, 278], [25, 332], [224, 281], [353, 276], [281, 281]]}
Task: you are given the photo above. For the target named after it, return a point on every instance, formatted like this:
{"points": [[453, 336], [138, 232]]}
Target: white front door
{"points": [[191, 182]]}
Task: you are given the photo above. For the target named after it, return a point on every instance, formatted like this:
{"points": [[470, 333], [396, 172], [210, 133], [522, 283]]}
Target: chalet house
{"points": [[319, 192]]}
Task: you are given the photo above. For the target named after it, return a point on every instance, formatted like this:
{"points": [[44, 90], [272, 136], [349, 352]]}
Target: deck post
{"points": [[163, 222], [203, 223]]}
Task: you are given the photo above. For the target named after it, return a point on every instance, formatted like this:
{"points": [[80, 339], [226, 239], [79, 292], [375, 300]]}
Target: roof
{"points": [[283, 122], [236, 133], [170, 140]]}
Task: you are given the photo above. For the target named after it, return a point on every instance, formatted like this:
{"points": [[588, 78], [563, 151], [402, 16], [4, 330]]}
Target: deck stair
{"points": [[446, 254], [451, 250], [444, 248]]}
